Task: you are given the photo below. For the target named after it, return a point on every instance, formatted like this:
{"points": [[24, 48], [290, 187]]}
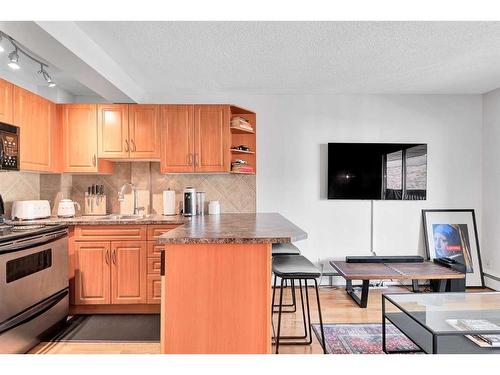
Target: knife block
{"points": [[95, 204]]}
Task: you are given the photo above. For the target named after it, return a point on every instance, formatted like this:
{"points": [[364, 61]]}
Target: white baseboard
{"points": [[492, 282]]}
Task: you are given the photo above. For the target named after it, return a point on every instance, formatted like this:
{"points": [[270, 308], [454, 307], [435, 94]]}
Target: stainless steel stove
{"points": [[33, 283]]}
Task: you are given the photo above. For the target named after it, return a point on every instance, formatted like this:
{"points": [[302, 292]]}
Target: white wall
{"points": [[293, 131], [491, 186]]}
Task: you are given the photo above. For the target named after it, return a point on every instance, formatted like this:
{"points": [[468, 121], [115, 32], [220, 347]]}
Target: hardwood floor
{"points": [[336, 306]]}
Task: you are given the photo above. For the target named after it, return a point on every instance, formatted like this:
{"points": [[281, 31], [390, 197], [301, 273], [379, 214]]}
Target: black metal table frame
{"points": [[362, 300], [434, 334]]}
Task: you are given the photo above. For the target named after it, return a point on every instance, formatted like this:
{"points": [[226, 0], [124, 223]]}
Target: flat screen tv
{"points": [[379, 171]]}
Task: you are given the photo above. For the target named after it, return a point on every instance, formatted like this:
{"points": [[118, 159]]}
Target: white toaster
{"points": [[30, 210]]}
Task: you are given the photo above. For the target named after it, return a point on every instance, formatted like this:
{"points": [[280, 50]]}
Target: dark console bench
{"points": [[392, 268]]}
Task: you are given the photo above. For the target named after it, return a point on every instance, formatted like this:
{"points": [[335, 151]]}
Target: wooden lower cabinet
{"points": [[92, 273], [128, 272], [116, 265]]}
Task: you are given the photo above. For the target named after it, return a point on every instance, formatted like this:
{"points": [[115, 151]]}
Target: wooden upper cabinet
{"points": [[128, 272], [6, 107], [128, 131], [35, 116], [113, 139], [177, 138], [144, 131], [212, 135], [80, 139], [92, 273]]}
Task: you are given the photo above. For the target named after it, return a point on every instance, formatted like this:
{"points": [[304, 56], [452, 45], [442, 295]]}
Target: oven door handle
{"points": [[37, 241], [33, 312]]}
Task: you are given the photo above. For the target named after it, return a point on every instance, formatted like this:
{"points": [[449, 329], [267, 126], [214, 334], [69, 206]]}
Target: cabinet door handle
{"points": [[94, 160], [196, 159], [133, 144], [190, 159], [127, 147], [114, 257], [107, 257]]}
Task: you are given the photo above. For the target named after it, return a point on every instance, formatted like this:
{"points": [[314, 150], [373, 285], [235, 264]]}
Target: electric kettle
{"points": [[67, 208]]}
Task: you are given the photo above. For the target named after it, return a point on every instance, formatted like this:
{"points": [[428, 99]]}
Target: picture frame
{"points": [[452, 233]]}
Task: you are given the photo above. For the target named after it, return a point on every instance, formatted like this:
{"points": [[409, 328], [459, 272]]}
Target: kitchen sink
{"points": [[123, 217]]}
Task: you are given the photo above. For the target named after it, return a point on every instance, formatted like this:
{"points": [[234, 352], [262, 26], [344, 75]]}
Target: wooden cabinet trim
{"points": [[154, 265], [110, 232], [154, 250], [154, 289], [155, 231]]}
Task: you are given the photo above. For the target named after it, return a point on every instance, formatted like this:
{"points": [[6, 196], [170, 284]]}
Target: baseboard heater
{"points": [[385, 259]]}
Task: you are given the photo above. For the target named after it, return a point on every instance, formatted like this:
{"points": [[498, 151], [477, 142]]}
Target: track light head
{"points": [[45, 75], [14, 56]]}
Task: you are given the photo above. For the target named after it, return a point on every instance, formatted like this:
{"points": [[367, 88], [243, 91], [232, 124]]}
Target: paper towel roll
{"points": [[169, 202]]}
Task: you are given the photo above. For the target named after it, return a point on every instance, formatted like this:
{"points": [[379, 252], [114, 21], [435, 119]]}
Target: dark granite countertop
{"points": [[102, 220], [235, 228]]}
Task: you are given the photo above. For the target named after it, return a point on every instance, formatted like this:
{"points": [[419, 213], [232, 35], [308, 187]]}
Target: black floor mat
{"points": [[111, 328]]}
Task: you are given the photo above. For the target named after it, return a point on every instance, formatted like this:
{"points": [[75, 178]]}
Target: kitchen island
{"points": [[216, 283]]}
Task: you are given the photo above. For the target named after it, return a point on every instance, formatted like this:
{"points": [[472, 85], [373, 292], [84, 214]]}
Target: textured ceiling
{"points": [[304, 57]]}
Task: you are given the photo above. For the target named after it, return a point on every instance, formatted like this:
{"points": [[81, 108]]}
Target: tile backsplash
{"points": [[18, 186], [236, 193]]}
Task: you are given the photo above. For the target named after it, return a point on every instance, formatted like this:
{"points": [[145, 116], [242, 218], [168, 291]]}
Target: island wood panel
{"points": [[6, 106], [128, 272], [144, 131], [112, 125], [177, 138], [110, 232], [92, 273], [228, 309], [212, 138], [79, 125]]}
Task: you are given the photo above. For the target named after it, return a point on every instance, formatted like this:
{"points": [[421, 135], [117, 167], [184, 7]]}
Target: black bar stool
{"points": [[280, 249], [297, 267]]}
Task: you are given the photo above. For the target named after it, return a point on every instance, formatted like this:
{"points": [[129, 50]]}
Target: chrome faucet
{"points": [[121, 196]]}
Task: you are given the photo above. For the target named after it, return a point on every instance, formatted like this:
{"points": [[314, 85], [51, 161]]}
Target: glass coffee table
{"points": [[444, 323]]}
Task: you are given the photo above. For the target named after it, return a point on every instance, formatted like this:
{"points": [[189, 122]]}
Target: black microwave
{"points": [[9, 147]]}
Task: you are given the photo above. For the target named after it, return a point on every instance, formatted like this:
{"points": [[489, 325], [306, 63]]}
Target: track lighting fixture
{"points": [[44, 74], [14, 59]]}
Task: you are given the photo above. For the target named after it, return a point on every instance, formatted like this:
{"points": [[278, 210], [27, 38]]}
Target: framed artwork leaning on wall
{"points": [[452, 233]]}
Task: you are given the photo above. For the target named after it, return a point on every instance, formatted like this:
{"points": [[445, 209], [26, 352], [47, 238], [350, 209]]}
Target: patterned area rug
{"points": [[362, 338]]}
